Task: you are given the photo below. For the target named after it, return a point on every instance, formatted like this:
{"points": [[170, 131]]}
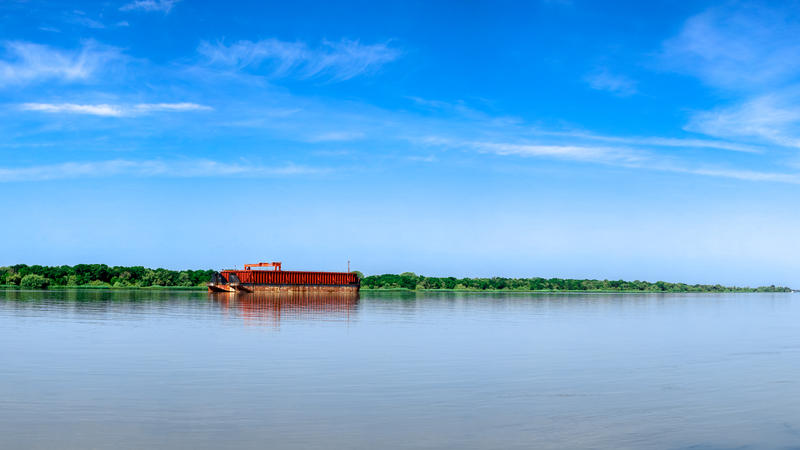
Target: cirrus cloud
{"points": [[337, 61], [164, 6], [25, 62], [184, 168], [737, 47], [603, 80], [108, 110]]}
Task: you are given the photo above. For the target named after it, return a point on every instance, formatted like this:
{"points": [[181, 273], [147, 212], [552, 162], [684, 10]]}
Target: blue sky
{"points": [[634, 140]]}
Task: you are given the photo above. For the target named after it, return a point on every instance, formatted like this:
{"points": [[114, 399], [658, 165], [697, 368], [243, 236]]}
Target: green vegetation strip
{"points": [[101, 276], [411, 281]]}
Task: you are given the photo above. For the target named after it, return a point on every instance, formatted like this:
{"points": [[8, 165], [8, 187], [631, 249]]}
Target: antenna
{"points": [[348, 266]]}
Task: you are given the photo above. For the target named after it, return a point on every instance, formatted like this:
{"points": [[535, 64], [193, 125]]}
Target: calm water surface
{"points": [[134, 369]]}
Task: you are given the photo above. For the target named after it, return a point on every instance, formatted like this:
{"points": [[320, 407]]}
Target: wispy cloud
{"points": [[71, 108], [752, 52], [744, 46], [25, 62], [149, 168], [80, 18], [339, 61], [337, 136], [604, 155], [424, 159], [461, 108], [164, 6], [603, 80], [586, 153], [153, 107], [745, 175], [773, 118], [112, 110], [657, 141], [627, 157]]}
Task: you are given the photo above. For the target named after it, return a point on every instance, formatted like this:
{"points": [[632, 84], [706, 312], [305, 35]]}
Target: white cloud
{"points": [[586, 153], [461, 108], [656, 141], [112, 110], [152, 107], [25, 62], [740, 47], [746, 175], [337, 136], [80, 18], [148, 168], [772, 118], [341, 60], [425, 159], [627, 157], [603, 80], [751, 50], [164, 6], [95, 110]]}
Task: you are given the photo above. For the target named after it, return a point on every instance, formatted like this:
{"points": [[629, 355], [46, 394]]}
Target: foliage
{"points": [[34, 281], [13, 278], [101, 275], [409, 280]]}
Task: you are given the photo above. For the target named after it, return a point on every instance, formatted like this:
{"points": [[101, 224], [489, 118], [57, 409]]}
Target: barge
{"points": [[259, 278]]}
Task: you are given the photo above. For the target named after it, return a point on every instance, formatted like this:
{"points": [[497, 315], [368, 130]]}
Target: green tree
{"points": [[184, 280], [34, 281], [13, 278]]}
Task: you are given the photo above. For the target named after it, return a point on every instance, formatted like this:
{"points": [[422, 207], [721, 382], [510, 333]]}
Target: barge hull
{"points": [[283, 288], [280, 281]]}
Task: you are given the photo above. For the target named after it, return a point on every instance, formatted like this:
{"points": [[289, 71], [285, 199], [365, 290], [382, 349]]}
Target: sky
{"points": [[613, 140]]}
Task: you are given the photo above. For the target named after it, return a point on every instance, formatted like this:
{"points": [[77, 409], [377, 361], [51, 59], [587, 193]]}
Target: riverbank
{"points": [[101, 276], [115, 288], [412, 281], [551, 291], [390, 290]]}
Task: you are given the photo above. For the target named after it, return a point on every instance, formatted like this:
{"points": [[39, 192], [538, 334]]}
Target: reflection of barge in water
{"points": [[276, 307], [278, 280]]}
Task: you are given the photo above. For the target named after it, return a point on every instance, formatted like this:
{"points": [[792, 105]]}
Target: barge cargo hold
{"points": [[278, 280]]}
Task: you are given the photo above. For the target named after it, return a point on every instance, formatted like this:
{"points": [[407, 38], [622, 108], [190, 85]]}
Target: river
{"points": [[169, 369]]}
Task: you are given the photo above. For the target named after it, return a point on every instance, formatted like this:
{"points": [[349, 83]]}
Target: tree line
{"points": [[100, 275], [409, 280]]}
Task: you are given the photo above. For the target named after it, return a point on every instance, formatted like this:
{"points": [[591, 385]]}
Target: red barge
{"points": [[258, 278]]}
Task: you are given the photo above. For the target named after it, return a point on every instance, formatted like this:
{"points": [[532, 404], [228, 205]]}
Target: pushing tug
{"points": [[269, 277]]}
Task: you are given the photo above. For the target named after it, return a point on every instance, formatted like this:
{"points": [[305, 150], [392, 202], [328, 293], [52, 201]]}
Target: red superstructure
{"points": [[249, 280], [274, 264]]}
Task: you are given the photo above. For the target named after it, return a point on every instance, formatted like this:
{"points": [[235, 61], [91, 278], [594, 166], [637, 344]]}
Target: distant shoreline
{"points": [[102, 276], [411, 281], [595, 291], [390, 290], [107, 288]]}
